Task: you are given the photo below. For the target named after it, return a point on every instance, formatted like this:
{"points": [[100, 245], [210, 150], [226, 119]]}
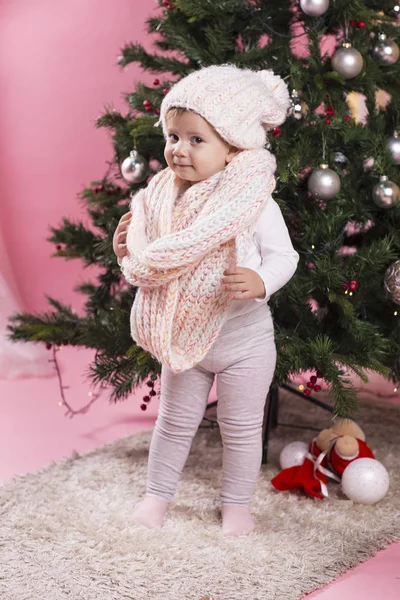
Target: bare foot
{"points": [[150, 512], [236, 520]]}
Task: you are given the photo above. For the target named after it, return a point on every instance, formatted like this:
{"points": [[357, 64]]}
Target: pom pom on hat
{"points": [[275, 113], [241, 105]]}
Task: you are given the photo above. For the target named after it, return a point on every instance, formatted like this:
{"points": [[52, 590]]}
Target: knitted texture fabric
{"points": [[180, 240], [241, 105]]}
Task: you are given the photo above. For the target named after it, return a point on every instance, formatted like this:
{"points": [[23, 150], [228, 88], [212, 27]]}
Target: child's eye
{"points": [[196, 140], [173, 137]]}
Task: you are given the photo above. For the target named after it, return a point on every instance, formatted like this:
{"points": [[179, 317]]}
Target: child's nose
{"points": [[180, 149]]}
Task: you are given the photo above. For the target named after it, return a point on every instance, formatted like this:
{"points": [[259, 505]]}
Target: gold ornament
{"points": [[392, 282]]}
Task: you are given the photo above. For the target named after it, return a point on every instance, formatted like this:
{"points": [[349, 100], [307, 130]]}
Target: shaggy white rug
{"points": [[66, 531]]}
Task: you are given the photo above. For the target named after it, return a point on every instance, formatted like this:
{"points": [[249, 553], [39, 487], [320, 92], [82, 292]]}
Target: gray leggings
{"points": [[243, 358]]}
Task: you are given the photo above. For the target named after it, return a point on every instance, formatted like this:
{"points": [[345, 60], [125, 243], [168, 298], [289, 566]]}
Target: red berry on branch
{"points": [[347, 117], [328, 121], [156, 82], [313, 379], [143, 406], [146, 103], [329, 111], [150, 384], [307, 392], [146, 398], [310, 385], [59, 247], [276, 132], [148, 108], [165, 91], [317, 388], [361, 24], [353, 285], [166, 3], [353, 23], [320, 374], [152, 393], [345, 286], [48, 346], [157, 111]]}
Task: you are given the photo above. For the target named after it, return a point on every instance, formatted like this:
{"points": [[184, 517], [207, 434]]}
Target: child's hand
{"points": [[244, 283], [119, 239]]}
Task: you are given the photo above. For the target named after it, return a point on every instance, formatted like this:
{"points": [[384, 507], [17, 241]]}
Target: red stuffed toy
{"points": [[328, 456]]}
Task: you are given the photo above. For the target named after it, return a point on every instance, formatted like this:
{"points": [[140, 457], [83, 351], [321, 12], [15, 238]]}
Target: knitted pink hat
{"points": [[241, 105]]}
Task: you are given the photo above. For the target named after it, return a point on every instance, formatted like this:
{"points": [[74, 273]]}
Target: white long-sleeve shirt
{"points": [[271, 255]]}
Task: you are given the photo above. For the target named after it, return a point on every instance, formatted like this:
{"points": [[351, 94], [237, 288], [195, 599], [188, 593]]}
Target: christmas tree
{"points": [[336, 186]]}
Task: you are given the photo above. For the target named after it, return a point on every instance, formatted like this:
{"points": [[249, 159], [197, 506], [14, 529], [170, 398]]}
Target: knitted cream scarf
{"points": [[180, 241]]}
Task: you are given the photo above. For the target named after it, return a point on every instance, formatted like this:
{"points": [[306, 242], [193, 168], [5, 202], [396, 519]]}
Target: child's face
{"points": [[194, 150]]}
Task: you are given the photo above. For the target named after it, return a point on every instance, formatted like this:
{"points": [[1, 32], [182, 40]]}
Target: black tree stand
{"points": [[271, 414]]}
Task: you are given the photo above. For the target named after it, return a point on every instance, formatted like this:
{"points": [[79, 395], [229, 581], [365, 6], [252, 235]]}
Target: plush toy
{"points": [[328, 456]]}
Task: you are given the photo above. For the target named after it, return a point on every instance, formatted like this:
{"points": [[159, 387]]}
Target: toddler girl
{"points": [[207, 246]]}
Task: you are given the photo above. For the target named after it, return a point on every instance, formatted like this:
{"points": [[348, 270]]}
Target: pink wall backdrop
{"points": [[58, 69]]}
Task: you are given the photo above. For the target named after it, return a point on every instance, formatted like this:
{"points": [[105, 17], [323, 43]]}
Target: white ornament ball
{"points": [[293, 454], [314, 8], [347, 61], [386, 194], [324, 183], [393, 145], [386, 52], [365, 481]]}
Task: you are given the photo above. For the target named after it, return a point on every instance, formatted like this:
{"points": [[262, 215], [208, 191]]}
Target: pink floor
{"points": [[34, 433]]}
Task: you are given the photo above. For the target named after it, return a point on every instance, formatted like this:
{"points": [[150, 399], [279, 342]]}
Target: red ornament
{"points": [[347, 117], [310, 385], [156, 82], [157, 111], [353, 23], [328, 121], [150, 384], [146, 398], [345, 286], [276, 132], [307, 392], [329, 111], [143, 406], [147, 103], [165, 91], [48, 346], [317, 388], [152, 393], [361, 24], [166, 3], [313, 379], [353, 285], [320, 374]]}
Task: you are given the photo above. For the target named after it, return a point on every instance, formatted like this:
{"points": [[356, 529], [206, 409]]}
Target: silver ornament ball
{"points": [[134, 169], [293, 454], [392, 282], [365, 481], [314, 8], [324, 183], [393, 145], [386, 52], [386, 194], [347, 61]]}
